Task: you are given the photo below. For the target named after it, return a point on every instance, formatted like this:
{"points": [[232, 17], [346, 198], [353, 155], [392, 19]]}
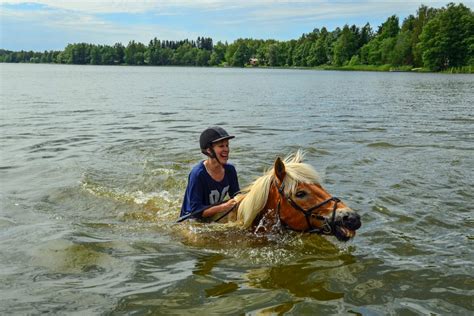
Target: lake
{"points": [[94, 163]]}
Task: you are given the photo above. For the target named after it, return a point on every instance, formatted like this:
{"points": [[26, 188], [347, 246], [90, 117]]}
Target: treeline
{"points": [[185, 52], [436, 39]]}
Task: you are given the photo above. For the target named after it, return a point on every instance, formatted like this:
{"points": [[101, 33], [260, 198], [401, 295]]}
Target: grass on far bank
{"points": [[460, 70], [387, 67], [453, 70]]}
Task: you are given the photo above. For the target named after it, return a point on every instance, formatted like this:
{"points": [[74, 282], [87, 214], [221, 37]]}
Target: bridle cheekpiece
{"points": [[329, 224]]}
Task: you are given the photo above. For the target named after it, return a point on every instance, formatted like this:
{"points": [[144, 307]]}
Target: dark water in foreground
{"points": [[94, 162]]}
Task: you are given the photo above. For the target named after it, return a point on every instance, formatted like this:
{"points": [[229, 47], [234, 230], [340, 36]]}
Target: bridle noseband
{"points": [[329, 225]]}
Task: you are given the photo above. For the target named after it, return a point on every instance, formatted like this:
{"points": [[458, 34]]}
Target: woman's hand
{"points": [[221, 208], [229, 204]]}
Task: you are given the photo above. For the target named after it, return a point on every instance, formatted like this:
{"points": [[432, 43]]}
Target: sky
{"points": [[40, 25]]}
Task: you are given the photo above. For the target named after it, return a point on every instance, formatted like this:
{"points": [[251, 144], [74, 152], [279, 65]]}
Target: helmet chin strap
{"points": [[213, 155]]}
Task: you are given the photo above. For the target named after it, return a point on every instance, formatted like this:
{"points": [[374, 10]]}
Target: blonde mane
{"points": [[254, 197]]}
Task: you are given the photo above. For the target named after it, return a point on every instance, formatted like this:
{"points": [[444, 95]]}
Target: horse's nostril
{"points": [[351, 221]]}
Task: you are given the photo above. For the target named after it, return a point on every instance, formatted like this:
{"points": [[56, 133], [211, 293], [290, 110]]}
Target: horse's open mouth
{"points": [[343, 233]]}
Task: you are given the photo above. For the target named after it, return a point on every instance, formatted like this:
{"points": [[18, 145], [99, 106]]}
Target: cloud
{"points": [[163, 6], [108, 21], [41, 27]]}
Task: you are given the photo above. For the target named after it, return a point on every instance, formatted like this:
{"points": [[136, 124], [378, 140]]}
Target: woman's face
{"points": [[222, 150]]}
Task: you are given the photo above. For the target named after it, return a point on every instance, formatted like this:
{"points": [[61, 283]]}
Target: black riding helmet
{"points": [[212, 135]]}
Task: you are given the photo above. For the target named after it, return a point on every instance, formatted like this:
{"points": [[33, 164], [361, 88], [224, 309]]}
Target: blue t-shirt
{"points": [[203, 191]]}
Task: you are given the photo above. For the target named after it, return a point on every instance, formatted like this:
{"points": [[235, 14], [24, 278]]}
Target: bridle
{"points": [[329, 224]]}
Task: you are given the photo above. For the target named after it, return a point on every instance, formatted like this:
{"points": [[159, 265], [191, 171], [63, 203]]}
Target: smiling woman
{"points": [[211, 180]]}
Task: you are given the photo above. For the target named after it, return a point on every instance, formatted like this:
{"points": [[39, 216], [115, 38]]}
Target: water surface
{"points": [[94, 162]]}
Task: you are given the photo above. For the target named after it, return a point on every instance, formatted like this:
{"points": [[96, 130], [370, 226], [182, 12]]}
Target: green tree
{"points": [[370, 53], [107, 55], [218, 54], [365, 35], [318, 53], [152, 53], [203, 57], [389, 28], [134, 53], [345, 46], [185, 55], [241, 55], [273, 55], [238, 53], [402, 50], [387, 46], [380, 49], [119, 53], [301, 52], [423, 16], [447, 40], [331, 39], [402, 53], [95, 55]]}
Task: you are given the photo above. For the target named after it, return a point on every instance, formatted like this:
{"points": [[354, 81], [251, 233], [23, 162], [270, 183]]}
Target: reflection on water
{"points": [[95, 160]]}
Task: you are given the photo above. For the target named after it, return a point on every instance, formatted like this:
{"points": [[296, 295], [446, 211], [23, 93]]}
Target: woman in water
{"points": [[211, 180]]}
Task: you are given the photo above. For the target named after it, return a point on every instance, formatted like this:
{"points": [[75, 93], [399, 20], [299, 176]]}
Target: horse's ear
{"points": [[279, 168]]}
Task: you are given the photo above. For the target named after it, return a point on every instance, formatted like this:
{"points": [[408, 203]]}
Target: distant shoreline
{"points": [[364, 68]]}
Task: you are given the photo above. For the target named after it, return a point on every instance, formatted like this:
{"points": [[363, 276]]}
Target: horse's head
{"points": [[302, 204]]}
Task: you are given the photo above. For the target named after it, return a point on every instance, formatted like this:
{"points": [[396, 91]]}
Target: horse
{"points": [[291, 196]]}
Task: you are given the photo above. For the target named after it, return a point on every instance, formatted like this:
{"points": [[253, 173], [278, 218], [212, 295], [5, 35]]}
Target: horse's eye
{"points": [[300, 194]]}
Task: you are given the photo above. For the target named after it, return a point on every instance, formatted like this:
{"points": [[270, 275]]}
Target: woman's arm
{"points": [[213, 210]]}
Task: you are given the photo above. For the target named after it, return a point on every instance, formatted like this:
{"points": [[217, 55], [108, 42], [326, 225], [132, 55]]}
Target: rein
{"points": [[200, 211], [226, 213], [329, 225]]}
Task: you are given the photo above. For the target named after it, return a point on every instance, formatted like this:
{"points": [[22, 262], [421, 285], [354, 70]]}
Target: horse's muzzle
{"points": [[346, 224], [351, 221]]}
